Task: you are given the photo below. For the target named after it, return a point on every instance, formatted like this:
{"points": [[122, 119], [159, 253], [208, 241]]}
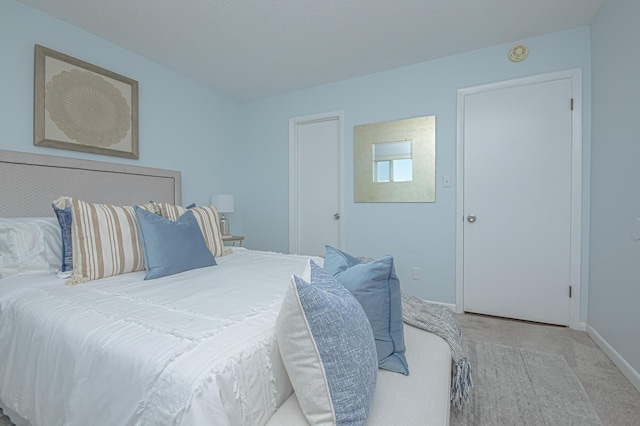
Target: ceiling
{"points": [[250, 49]]}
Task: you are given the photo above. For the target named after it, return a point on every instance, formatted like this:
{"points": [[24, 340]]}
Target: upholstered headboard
{"points": [[30, 182]]}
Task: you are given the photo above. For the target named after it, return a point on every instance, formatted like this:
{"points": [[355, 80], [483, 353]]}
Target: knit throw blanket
{"points": [[442, 322]]}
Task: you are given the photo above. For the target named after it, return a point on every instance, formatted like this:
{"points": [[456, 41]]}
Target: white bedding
{"points": [[193, 348]]}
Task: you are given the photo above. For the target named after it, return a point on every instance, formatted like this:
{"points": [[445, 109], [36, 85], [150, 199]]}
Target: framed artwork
{"points": [[82, 107], [395, 161]]}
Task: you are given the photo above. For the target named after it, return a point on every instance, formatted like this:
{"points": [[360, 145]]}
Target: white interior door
{"points": [[517, 201], [317, 183]]}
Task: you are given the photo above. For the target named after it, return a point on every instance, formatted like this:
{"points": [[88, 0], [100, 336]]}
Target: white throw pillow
{"points": [[29, 245]]}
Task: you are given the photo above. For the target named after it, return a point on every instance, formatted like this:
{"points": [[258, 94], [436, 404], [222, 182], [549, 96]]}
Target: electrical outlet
{"points": [[635, 229], [415, 273]]}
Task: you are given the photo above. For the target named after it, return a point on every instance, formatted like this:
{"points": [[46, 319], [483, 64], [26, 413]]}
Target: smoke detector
{"points": [[518, 52]]}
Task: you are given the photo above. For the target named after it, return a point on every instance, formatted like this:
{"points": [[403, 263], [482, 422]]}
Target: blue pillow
{"points": [[328, 350], [64, 219], [377, 287], [172, 247]]}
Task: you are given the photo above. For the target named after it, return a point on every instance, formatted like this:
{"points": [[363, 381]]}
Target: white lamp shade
{"points": [[223, 203]]}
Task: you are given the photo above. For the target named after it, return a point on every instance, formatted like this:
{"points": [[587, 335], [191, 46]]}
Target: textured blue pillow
{"points": [[377, 287], [328, 349], [64, 219], [172, 247]]}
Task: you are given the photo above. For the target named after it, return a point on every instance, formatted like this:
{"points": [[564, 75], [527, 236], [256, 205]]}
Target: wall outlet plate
{"points": [[635, 229], [415, 273]]}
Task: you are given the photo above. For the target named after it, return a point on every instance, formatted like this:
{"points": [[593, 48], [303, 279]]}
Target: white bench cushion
{"points": [[421, 398]]}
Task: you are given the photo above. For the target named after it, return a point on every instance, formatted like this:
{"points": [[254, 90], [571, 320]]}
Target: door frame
{"points": [[575, 75], [294, 123]]}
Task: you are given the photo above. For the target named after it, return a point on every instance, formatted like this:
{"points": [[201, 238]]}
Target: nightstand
{"points": [[233, 239]]}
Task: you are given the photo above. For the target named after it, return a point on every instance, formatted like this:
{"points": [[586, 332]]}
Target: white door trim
{"points": [[293, 171], [575, 75]]}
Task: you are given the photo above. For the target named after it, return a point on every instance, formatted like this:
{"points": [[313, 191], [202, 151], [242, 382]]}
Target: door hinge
{"points": [[571, 104], [569, 292]]}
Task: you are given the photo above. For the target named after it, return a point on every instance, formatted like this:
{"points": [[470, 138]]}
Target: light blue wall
{"points": [[183, 125], [614, 277], [221, 146], [417, 235]]}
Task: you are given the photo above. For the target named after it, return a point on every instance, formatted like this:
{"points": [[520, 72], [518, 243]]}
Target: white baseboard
{"points": [[582, 326], [626, 369], [451, 306]]}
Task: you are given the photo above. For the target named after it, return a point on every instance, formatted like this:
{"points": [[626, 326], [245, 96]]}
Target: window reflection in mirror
{"points": [[393, 161]]}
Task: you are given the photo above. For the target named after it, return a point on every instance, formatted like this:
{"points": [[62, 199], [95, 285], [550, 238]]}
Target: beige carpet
{"points": [[515, 386], [614, 399]]}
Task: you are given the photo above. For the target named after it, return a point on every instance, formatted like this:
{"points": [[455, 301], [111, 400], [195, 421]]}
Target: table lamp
{"points": [[224, 204]]}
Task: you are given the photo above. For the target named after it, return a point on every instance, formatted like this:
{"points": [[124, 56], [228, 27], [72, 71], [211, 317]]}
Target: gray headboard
{"points": [[30, 182]]}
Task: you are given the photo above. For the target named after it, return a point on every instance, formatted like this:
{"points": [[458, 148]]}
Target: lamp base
{"points": [[224, 225]]}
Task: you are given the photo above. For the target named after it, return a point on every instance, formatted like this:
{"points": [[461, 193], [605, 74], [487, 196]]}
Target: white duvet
{"points": [[196, 348]]}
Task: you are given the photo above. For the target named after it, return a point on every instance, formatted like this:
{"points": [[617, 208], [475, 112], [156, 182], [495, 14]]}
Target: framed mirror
{"points": [[394, 161]]}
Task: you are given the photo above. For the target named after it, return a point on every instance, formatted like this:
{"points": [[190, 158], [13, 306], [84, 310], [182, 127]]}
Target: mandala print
{"points": [[87, 108]]}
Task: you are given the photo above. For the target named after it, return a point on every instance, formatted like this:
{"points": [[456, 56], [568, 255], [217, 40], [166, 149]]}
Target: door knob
{"points": [[471, 218], [336, 216]]}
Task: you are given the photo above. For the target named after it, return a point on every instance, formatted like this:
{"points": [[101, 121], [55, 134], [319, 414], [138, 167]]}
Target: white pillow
{"points": [[29, 245]]}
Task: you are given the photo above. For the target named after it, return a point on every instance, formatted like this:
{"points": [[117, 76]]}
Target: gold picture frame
{"points": [[82, 107]]}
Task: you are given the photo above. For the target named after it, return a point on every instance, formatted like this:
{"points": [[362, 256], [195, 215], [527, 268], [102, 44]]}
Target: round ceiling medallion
{"points": [[518, 52]]}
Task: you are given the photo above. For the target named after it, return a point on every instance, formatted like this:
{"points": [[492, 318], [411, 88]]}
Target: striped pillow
{"points": [[105, 240], [207, 217]]}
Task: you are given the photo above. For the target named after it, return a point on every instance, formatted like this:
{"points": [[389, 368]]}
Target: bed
{"points": [[196, 347], [112, 351], [184, 355]]}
